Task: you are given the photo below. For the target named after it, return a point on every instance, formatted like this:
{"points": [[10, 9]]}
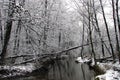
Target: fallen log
{"points": [[19, 56], [103, 59], [31, 55], [52, 54], [76, 47]]}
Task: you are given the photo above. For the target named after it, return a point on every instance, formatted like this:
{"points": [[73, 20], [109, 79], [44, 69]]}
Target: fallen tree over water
{"points": [[44, 61], [55, 53]]}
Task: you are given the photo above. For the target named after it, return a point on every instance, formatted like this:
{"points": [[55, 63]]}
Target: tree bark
{"points": [[107, 29], [45, 26], [98, 29], [1, 29], [17, 33], [115, 25], [117, 13], [8, 29], [90, 30], [118, 24], [81, 53], [18, 30]]}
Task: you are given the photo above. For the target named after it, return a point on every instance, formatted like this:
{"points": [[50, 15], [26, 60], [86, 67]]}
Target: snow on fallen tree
{"points": [[80, 60]]}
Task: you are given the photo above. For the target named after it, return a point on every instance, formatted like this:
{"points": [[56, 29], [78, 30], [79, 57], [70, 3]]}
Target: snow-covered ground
{"points": [[26, 68], [10, 71], [112, 71]]}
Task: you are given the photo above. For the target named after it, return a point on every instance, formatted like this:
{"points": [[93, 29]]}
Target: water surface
{"points": [[63, 70]]}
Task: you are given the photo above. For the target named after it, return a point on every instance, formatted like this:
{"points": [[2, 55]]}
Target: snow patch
{"points": [[26, 68], [112, 71], [110, 75], [11, 71], [105, 66], [80, 60]]}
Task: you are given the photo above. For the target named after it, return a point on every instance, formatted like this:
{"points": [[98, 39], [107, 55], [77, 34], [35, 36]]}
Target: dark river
{"points": [[63, 70]]}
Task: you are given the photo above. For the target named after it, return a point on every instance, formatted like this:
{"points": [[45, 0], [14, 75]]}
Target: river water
{"points": [[63, 70]]}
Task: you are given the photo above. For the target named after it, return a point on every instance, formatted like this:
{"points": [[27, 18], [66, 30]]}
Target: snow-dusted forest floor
{"points": [[11, 71], [112, 71]]}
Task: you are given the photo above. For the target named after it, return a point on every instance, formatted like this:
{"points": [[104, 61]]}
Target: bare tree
{"points": [[18, 28], [115, 25], [1, 29], [45, 24], [98, 29], [107, 29], [83, 34], [90, 14], [117, 13], [8, 29]]}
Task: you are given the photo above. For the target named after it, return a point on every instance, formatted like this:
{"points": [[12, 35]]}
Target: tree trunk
{"points": [[81, 53], [18, 30], [108, 34], [90, 30], [115, 25], [8, 29], [45, 26], [17, 33], [117, 13], [118, 22], [1, 29], [98, 29]]}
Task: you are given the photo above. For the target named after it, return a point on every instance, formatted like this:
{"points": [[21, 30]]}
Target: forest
{"points": [[59, 40]]}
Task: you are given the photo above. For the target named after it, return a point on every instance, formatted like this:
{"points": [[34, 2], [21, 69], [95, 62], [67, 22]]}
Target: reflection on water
{"points": [[69, 70], [64, 70]]}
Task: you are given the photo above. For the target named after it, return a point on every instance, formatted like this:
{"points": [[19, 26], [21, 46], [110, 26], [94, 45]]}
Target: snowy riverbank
{"points": [[11, 71], [112, 71]]}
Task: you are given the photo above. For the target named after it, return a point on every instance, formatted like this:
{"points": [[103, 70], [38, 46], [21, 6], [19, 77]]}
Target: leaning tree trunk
{"points": [[8, 29], [90, 30], [115, 25], [118, 22], [108, 34], [117, 13], [98, 29], [18, 30]]}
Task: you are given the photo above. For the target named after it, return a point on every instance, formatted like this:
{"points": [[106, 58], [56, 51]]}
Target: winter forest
{"points": [[59, 40]]}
